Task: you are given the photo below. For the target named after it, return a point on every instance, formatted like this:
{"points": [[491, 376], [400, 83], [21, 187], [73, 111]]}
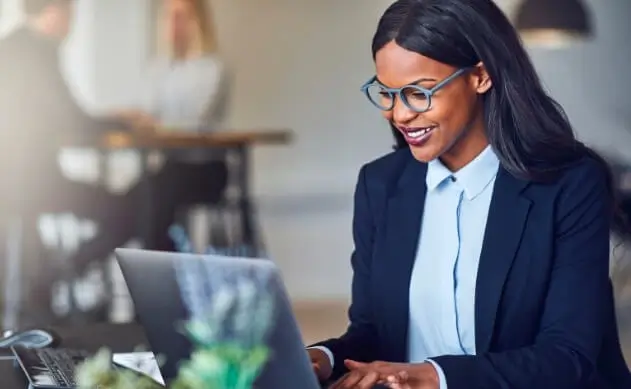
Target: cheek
{"points": [[454, 115]]}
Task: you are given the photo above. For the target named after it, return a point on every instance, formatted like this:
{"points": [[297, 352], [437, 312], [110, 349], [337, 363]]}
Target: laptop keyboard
{"points": [[61, 363]]}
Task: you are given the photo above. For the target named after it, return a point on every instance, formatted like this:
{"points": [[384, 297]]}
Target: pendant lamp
{"points": [[553, 23]]}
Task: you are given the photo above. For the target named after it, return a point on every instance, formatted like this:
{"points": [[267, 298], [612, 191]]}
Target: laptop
{"points": [[152, 282]]}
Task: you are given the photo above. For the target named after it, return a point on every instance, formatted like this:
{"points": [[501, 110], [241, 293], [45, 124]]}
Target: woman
{"points": [[185, 92], [481, 244]]}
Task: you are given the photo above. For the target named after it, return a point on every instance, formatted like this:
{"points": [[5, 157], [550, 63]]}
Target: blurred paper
{"points": [[141, 362]]}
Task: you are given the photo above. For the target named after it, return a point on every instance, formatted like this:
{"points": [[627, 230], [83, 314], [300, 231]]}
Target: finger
{"points": [[393, 380], [369, 380], [338, 384], [382, 379], [349, 381], [403, 375], [353, 365], [398, 381]]}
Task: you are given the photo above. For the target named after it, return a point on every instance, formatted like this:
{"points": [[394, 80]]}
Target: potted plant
{"points": [[230, 315]]}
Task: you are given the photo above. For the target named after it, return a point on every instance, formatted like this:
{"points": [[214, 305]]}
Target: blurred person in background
{"points": [[185, 92], [38, 117]]}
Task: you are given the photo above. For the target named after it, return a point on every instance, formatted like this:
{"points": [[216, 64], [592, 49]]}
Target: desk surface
{"points": [[117, 337], [115, 139]]}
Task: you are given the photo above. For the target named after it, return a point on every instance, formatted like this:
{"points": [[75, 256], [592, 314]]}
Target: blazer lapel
{"points": [[403, 223], [505, 224]]}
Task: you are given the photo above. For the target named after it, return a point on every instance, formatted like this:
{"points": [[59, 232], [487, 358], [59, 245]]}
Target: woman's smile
{"points": [[417, 136]]}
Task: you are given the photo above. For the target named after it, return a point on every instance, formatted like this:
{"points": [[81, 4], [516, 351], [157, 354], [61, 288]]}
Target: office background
{"points": [[299, 64]]}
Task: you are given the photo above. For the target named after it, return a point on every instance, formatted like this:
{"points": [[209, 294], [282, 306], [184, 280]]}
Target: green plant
{"points": [[97, 372], [230, 318]]}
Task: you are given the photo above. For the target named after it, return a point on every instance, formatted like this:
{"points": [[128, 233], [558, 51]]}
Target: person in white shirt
{"points": [[185, 91]]}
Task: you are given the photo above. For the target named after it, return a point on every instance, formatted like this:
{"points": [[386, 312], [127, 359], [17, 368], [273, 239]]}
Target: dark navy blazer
{"points": [[544, 313]]}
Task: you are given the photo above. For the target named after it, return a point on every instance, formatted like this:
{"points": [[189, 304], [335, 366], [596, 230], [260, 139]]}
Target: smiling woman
{"points": [[433, 96], [482, 243]]}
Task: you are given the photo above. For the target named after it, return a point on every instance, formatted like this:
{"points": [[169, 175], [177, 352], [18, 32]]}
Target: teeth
{"points": [[419, 133]]}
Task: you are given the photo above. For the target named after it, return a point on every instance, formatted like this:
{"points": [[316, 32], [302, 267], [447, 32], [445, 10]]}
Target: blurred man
{"points": [[38, 116]]}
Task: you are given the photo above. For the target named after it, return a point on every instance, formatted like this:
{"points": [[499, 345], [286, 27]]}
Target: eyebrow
{"points": [[420, 80]]}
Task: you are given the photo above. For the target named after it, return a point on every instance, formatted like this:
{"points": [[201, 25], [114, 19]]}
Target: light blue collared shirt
{"points": [[442, 285]]}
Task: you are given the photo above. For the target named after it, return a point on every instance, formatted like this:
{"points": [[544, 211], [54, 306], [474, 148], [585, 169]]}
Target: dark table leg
{"points": [[146, 203], [249, 227], [105, 269], [245, 207]]}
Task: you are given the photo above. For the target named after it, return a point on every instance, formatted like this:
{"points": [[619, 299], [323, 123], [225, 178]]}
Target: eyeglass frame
{"points": [[429, 93]]}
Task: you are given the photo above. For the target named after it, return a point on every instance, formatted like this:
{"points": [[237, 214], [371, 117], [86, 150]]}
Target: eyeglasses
{"points": [[415, 97]]}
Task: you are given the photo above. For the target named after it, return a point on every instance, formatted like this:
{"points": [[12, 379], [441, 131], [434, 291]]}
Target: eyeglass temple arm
{"points": [[447, 80]]}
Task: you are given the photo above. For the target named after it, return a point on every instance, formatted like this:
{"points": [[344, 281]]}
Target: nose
{"points": [[401, 113]]}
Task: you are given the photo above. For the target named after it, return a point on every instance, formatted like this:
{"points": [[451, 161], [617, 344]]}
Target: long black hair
{"points": [[527, 129]]}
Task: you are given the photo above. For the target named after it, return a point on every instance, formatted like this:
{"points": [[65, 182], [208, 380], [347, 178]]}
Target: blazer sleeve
{"points": [[565, 352], [359, 341]]}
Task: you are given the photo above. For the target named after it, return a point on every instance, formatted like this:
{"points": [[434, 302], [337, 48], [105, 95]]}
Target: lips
{"points": [[417, 136]]}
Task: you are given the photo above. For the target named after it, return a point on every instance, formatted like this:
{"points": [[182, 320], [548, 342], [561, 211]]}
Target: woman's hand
{"points": [[321, 364], [392, 375], [366, 375], [403, 380]]}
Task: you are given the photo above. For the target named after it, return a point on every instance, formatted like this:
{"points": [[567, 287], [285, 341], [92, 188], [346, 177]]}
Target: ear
{"points": [[482, 80]]}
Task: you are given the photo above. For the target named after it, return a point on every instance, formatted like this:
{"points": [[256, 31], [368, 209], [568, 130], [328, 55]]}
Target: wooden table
{"points": [[236, 143], [171, 140]]}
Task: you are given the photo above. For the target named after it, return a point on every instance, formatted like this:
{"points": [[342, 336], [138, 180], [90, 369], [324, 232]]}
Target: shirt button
{"points": [[452, 178]]}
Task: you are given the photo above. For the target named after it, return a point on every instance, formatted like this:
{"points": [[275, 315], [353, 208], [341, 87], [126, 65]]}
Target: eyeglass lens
{"points": [[415, 98]]}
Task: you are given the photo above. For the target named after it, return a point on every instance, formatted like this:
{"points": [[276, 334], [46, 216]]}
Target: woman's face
{"points": [[181, 16], [56, 19], [453, 126]]}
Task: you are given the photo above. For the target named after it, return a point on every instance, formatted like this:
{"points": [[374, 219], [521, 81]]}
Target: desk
{"points": [[117, 337], [237, 144], [120, 139]]}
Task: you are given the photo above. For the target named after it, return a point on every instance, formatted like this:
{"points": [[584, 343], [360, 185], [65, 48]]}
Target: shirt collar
{"points": [[474, 177]]}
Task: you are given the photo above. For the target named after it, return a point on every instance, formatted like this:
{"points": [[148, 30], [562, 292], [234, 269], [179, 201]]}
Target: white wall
{"points": [[299, 64], [10, 15], [591, 80]]}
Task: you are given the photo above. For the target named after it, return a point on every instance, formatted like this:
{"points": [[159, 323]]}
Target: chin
{"points": [[424, 154]]}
